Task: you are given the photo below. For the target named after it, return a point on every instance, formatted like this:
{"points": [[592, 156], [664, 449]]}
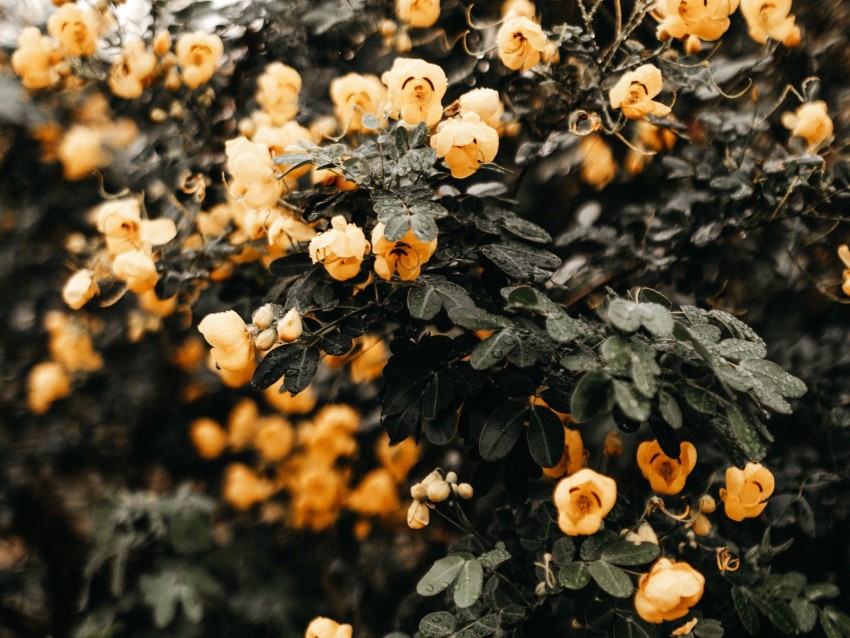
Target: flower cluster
{"points": [[433, 489]]}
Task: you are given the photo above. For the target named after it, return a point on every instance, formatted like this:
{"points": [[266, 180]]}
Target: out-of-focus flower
{"points": [[254, 180], [634, 91], [770, 19], [71, 344], [121, 222], [376, 495], [405, 256], [418, 13], [340, 249], [137, 269], [613, 445], [485, 103], [75, 29], [746, 491], [705, 19], [287, 229], [132, 70], [701, 525], [583, 499], [34, 59], [369, 361], [415, 89], [598, 167], [666, 475], [317, 493], [208, 437], [399, 459], [81, 287], [231, 342], [243, 487], [198, 54], [47, 382], [289, 403], [524, 8], [274, 438], [572, 459], [668, 591], [277, 92], [327, 628], [81, 152], [354, 96], [161, 42], [644, 534], [520, 42], [810, 121], [278, 138], [465, 143]]}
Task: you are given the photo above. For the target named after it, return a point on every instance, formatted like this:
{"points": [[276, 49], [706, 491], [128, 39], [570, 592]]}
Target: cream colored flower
{"points": [[770, 19], [634, 91], [285, 230], [132, 70], [666, 475], [81, 287], [75, 29], [231, 343], [520, 42], [198, 54], [254, 180], [418, 13], [810, 121], [376, 495], [137, 269], [274, 438], [705, 19], [340, 249], [746, 491], [327, 628], [416, 89], [405, 256], [465, 143], [572, 459], [524, 8], [418, 515], [278, 138], [243, 487], [47, 382], [208, 437], [598, 167], [34, 59], [485, 103], [355, 95], [583, 499], [289, 327], [277, 92], [668, 591], [81, 152], [121, 222]]}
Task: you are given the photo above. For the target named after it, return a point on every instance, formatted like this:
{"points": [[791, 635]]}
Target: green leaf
{"points": [[670, 410], [708, 628], [837, 619], [624, 315], [161, 593], [545, 436], [774, 378], [418, 135], [502, 430], [630, 627], [616, 352], [527, 298], [574, 575], [438, 395], [193, 605], [493, 349], [643, 375], [746, 610], [592, 397], [438, 624], [701, 400], [294, 362], [631, 402], [610, 579], [521, 262], [511, 614], [495, 557], [656, 318], [291, 265], [442, 574], [736, 326], [451, 294], [627, 553], [776, 611], [738, 349], [564, 550], [477, 319], [816, 591], [563, 328], [830, 627], [593, 546], [747, 436], [469, 583], [805, 613], [479, 628], [423, 302], [524, 229]]}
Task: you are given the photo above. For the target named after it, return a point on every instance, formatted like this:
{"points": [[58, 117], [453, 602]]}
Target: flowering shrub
{"points": [[433, 319]]}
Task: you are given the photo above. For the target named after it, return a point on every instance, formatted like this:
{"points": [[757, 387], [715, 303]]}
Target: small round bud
{"points": [[436, 475], [451, 477], [289, 327], [693, 45], [707, 504], [403, 43], [439, 491], [263, 316], [418, 492], [266, 339], [176, 110], [162, 42], [158, 116], [388, 28], [418, 515], [465, 491], [172, 80], [613, 445], [702, 526]]}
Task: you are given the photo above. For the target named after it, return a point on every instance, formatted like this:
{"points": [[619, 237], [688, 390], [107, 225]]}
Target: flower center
{"points": [[421, 91]]}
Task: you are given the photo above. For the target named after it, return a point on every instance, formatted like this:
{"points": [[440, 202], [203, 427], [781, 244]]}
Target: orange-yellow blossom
{"points": [[583, 500], [465, 143], [634, 91], [198, 54], [340, 249], [228, 335], [668, 591], [770, 19], [747, 491], [406, 256], [666, 475], [520, 41], [277, 92], [415, 89]]}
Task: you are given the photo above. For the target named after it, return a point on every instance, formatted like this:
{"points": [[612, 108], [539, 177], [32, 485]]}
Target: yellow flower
{"points": [[198, 54], [75, 29], [340, 249], [376, 495], [485, 103], [137, 269], [369, 361], [418, 13], [327, 628], [274, 438], [598, 167], [634, 91], [705, 19], [465, 143], [231, 343], [666, 475], [243, 487], [770, 19], [520, 42], [746, 491], [685, 629], [253, 173], [34, 58], [399, 459], [278, 138], [613, 445], [405, 256], [81, 152], [286, 402], [79, 289], [208, 437], [277, 92], [668, 591], [810, 121], [418, 515], [572, 460], [47, 382], [70, 343], [583, 500], [524, 8], [355, 95], [130, 72], [121, 222], [415, 89], [317, 493]]}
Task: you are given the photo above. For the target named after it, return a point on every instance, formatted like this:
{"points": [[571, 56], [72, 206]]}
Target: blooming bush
{"points": [[422, 319]]}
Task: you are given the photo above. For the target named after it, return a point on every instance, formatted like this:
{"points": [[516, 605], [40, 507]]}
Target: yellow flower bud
{"points": [[419, 492], [208, 437], [263, 316], [701, 526], [418, 515], [289, 327], [707, 504], [79, 289], [439, 491], [266, 339], [465, 491]]}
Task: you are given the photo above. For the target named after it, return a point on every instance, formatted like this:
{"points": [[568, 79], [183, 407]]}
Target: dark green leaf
{"points": [[776, 611], [708, 628], [747, 437], [438, 395], [630, 627], [738, 349], [301, 370], [816, 591], [670, 410], [631, 402], [805, 613], [563, 328], [438, 624], [656, 318], [593, 396], [495, 557], [746, 610], [502, 430], [526, 230], [610, 579], [469, 583], [545, 436], [624, 315], [616, 352], [837, 619], [564, 550], [481, 627], [511, 614], [574, 575], [423, 302], [477, 319], [403, 424], [628, 553], [774, 378], [593, 546], [442, 574], [493, 349], [442, 429]]}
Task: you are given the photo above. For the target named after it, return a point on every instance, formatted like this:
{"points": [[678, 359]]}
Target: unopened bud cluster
{"points": [[434, 488], [271, 325]]}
